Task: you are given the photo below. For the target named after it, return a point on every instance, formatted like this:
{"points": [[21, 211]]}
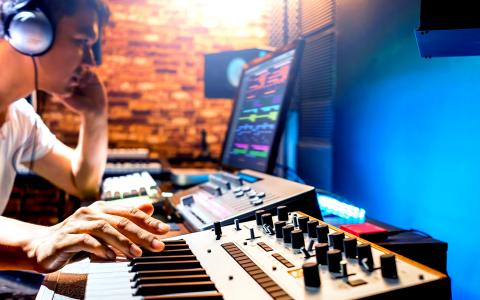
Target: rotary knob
{"points": [[336, 240], [334, 257], [282, 213], [311, 228], [388, 266], [297, 239], [321, 250], [278, 228], [267, 219], [302, 223], [364, 255], [258, 216], [322, 233], [287, 238], [311, 275], [350, 247]]}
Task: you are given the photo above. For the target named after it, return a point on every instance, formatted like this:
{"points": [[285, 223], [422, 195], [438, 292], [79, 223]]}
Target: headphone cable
{"points": [[34, 104]]}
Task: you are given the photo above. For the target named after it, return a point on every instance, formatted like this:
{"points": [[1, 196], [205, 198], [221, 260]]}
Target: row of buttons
{"points": [[255, 198]]}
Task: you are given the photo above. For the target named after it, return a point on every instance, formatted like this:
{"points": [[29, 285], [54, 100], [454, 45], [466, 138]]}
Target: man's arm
{"points": [[80, 171], [13, 238]]}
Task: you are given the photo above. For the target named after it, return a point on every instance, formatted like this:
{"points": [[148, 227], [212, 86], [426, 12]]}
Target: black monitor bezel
{"points": [[298, 45]]}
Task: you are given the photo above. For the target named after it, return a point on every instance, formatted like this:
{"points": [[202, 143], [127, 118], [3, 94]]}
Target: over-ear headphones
{"points": [[26, 27]]}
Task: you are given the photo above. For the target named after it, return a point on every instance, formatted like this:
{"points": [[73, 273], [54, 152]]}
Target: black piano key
{"points": [[202, 296], [167, 248], [165, 265], [180, 241], [168, 252], [168, 279], [161, 258], [173, 272], [170, 288]]}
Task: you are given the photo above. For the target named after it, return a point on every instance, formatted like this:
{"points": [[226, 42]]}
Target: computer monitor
{"points": [[260, 110]]}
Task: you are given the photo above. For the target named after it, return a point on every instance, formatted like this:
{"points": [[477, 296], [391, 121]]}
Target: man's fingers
{"points": [[137, 216], [104, 231], [74, 243], [135, 233], [110, 235], [146, 208]]}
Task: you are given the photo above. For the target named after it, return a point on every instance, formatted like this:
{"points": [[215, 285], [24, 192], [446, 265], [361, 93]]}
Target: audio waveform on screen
{"points": [[255, 130], [263, 109], [267, 82], [251, 150], [254, 117]]}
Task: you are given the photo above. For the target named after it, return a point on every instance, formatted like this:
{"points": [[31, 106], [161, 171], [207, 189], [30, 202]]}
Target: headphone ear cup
{"points": [[30, 32]]}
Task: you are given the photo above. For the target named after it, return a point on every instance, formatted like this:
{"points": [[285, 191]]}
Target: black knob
{"points": [[311, 275], [302, 223], [321, 250], [258, 216], [364, 255], [322, 233], [334, 257], [218, 229], [282, 213], [287, 238], [388, 266], [267, 219], [311, 228], [278, 229], [336, 240], [350, 247], [297, 239]]}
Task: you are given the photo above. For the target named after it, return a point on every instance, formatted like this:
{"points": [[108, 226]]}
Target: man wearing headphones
{"points": [[47, 45]]}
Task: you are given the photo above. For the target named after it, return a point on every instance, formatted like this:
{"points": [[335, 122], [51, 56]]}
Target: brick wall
{"points": [[153, 69]]}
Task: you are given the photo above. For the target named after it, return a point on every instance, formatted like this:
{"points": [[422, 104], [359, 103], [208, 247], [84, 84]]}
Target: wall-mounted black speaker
{"points": [[223, 70], [448, 28]]}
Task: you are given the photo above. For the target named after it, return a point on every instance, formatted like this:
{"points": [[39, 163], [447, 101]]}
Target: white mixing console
{"points": [[228, 196], [296, 257]]}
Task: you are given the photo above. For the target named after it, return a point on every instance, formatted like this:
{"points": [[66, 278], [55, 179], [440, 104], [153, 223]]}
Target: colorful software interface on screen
{"points": [[256, 113]]}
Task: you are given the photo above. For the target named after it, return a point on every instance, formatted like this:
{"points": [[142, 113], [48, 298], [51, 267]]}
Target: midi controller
{"points": [[134, 160], [228, 196], [289, 256]]}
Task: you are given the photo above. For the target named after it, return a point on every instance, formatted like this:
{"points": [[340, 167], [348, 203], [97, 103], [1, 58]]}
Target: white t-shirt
{"points": [[23, 135]]}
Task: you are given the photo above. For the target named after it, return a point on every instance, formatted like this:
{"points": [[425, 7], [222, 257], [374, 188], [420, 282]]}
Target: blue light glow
{"points": [[330, 205]]}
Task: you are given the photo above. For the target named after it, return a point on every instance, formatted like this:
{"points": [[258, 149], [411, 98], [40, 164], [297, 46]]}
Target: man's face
{"points": [[61, 67]]}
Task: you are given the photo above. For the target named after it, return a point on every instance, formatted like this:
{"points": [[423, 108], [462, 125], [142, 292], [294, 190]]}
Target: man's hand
{"points": [[98, 229], [87, 96]]}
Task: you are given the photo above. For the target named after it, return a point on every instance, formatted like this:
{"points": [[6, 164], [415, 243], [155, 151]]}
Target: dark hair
{"points": [[56, 9]]}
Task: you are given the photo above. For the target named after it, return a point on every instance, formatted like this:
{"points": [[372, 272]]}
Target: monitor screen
{"points": [[259, 113]]}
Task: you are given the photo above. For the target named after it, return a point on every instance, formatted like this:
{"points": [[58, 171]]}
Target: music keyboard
{"points": [[296, 257], [160, 275]]}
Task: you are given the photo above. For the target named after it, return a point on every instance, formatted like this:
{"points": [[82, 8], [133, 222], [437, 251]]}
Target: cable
{"points": [[34, 103], [422, 233]]}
